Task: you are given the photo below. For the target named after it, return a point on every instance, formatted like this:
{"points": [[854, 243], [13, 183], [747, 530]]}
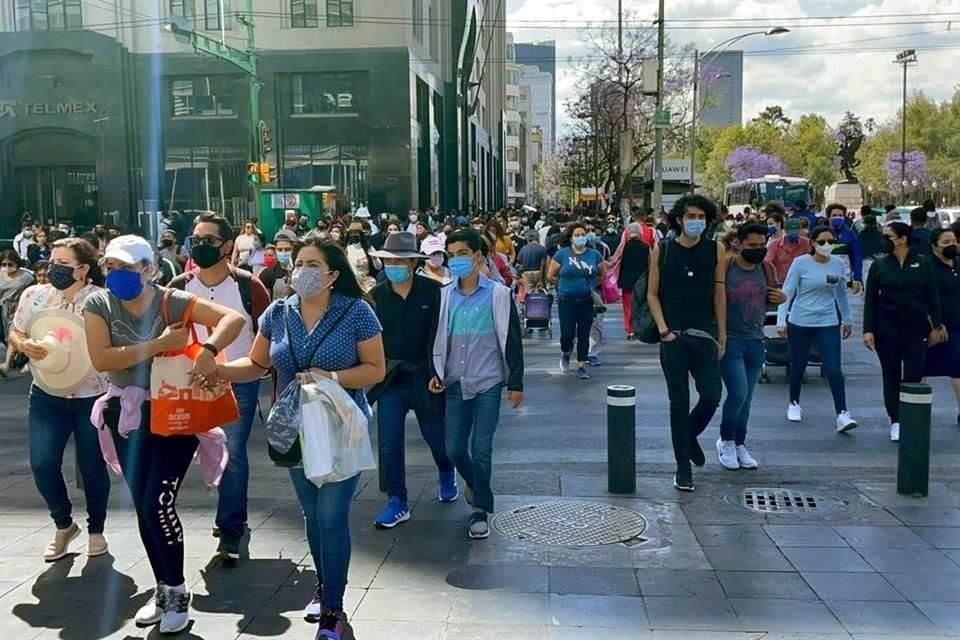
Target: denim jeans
{"points": [[154, 468], [576, 320], [473, 422], [232, 505], [681, 359], [52, 420], [392, 408], [740, 368], [828, 339], [326, 514]]}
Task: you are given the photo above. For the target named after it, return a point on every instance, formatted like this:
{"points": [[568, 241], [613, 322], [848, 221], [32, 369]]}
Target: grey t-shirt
{"points": [[127, 329]]}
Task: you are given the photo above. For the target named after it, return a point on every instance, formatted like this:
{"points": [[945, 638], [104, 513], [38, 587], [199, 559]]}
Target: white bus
{"points": [[756, 192]]}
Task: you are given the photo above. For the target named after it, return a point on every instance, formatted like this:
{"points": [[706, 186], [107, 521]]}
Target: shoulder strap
{"points": [[323, 338], [243, 284], [180, 281]]}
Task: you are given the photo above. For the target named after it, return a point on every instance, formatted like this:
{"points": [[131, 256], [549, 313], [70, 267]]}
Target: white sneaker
{"points": [[794, 412], [745, 459], [176, 616], [895, 432], [727, 452], [845, 423], [150, 613]]}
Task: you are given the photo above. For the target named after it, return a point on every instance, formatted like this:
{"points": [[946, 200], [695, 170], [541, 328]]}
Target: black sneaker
{"points": [[216, 532], [697, 456], [229, 547], [333, 625], [683, 480], [479, 529]]}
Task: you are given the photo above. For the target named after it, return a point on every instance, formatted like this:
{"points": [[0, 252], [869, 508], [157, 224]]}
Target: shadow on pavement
{"points": [[95, 604]]}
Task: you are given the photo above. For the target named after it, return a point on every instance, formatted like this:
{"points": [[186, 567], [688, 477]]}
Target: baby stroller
{"points": [[538, 312], [777, 351]]}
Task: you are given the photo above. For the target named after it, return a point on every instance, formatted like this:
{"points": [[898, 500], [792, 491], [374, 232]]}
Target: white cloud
{"points": [[843, 64]]}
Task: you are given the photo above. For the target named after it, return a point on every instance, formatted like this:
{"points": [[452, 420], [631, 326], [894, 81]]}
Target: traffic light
{"points": [[264, 173], [266, 139], [253, 172]]}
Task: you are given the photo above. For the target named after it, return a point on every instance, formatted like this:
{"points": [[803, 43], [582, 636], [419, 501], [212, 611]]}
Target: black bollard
{"points": [[621, 439], [913, 460]]}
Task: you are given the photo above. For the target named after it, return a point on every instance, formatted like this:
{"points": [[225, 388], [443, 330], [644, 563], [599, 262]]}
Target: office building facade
{"points": [[721, 82], [543, 57]]}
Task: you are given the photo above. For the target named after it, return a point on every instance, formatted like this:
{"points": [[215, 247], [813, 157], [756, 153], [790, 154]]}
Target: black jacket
{"points": [[634, 262], [902, 299]]}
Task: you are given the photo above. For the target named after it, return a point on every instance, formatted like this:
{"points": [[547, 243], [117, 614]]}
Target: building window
{"points": [[207, 179], [47, 15], [212, 15], [327, 93], [434, 33], [339, 13], [185, 9], [303, 14], [418, 20], [203, 96], [343, 166]]}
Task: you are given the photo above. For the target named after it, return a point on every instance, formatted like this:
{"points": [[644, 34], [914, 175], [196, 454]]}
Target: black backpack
{"points": [[641, 321]]}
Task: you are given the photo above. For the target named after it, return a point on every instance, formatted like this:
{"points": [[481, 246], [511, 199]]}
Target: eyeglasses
{"points": [[823, 242], [213, 241]]}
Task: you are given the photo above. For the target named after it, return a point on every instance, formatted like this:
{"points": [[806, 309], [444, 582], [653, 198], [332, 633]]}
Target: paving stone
{"points": [[746, 559], [532, 579], [852, 586], [620, 612], [829, 559], [395, 604], [693, 614], [476, 631], [679, 583], [765, 584], [933, 587], [910, 561], [740, 535], [393, 629], [594, 581], [945, 615], [882, 537], [511, 608], [785, 615], [928, 516], [882, 617], [799, 535], [940, 537]]}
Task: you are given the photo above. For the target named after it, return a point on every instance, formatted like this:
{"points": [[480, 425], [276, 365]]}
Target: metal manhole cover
{"points": [[572, 524], [780, 500]]}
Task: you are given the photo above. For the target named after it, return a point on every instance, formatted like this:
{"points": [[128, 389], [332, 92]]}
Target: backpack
{"points": [[244, 283], [642, 324]]}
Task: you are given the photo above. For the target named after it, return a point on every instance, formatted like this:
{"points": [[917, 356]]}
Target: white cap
{"points": [[362, 212], [129, 250], [431, 245]]}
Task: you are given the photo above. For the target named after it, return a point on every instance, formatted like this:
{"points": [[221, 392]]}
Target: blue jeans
{"points": [[326, 514], [576, 321], [52, 420], [392, 408], [828, 339], [740, 369], [478, 417], [232, 505]]}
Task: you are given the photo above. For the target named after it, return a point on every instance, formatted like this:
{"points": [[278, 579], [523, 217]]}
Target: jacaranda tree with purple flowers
{"points": [[916, 168], [750, 162]]}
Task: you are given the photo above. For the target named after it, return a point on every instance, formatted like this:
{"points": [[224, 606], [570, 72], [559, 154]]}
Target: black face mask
{"points": [[61, 276], [754, 256], [166, 242], [886, 245], [353, 239], [206, 255], [950, 253]]}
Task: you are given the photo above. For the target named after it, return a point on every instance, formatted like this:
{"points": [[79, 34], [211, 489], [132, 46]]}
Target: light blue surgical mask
{"points": [[461, 266], [694, 228], [397, 273], [580, 241], [592, 237]]}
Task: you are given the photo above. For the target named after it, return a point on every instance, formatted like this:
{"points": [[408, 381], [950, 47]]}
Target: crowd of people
{"points": [[426, 314]]}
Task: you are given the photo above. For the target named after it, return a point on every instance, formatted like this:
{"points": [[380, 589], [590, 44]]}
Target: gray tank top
{"points": [[746, 301]]}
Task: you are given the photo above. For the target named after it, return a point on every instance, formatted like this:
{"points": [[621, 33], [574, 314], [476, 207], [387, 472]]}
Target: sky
{"points": [[844, 63]]}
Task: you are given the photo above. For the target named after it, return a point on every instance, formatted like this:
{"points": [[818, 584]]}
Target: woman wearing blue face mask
{"points": [[126, 326], [326, 330], [576, 269]]}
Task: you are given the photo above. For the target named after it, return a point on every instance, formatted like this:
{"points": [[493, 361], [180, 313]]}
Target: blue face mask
{"points": [[836, 223], [694, 228], [580, 241], [461, 266], [397, 273], [772, 230], [592, 237], [284, 258], [124, 284]]}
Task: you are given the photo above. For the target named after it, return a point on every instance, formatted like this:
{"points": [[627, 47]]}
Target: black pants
{"points": [[153, 468], [576, 316], [901, 355], [680, 359]]}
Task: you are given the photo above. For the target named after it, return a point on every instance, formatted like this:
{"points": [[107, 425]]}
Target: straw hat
{"points": [[67, 363]]}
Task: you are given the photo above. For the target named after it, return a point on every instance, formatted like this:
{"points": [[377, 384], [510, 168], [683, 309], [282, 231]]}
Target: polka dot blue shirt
{"points": [[355, 323]]}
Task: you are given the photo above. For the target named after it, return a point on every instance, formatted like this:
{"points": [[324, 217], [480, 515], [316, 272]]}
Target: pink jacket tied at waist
{"points": [[211, 453]]}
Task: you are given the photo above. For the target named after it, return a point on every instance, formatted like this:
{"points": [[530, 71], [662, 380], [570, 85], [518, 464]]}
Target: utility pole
{"points": [[693, 122], [624, 137], [659, 124], [905, 58]]}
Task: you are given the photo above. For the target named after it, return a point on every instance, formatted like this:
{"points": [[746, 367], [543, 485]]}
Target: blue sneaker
{"points": [[582, 374], [395, 513], [593, 361], [449, 491], [565, 362]]}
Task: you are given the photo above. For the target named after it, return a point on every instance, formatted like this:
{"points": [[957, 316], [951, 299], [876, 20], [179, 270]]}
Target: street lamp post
{"points": [[906, 58], [713, 53]]}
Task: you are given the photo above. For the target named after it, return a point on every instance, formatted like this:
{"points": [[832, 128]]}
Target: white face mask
{"points": [[10, 269], [823, 249]]}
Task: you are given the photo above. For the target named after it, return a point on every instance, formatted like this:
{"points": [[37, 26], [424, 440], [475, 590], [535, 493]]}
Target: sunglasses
{"points": [[823, 242], [210, 240]]}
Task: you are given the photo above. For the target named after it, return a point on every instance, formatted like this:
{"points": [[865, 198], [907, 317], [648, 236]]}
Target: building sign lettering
{"points": [[13, 109]]}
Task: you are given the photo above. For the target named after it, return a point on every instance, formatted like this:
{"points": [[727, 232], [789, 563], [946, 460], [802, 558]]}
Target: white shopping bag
{"points": [[334, 436]]}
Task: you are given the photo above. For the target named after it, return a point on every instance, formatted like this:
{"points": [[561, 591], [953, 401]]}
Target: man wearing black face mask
{"points": [[215, 279], [750, 285]]}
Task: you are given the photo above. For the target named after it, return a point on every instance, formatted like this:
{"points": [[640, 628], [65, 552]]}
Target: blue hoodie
{"points": [[848, 244]]}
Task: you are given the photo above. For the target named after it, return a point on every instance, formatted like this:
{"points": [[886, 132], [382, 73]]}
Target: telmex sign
{"points": [[13, 109]]}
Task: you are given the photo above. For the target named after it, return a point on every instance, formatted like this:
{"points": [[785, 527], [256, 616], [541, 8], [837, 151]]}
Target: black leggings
{"points": [[576, 316], [901, 357], [153, 468]]}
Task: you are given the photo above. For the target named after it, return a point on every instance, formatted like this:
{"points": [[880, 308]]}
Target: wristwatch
{"points": [[209, 346]]}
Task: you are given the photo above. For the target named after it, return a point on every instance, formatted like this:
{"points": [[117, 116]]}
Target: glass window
{"points": [[212, 15], [47, 15], [328, 93], [184, 8], [203, 96], [343, 166], [207, 178], [303, 14], [418, 19], [339, 13]]}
